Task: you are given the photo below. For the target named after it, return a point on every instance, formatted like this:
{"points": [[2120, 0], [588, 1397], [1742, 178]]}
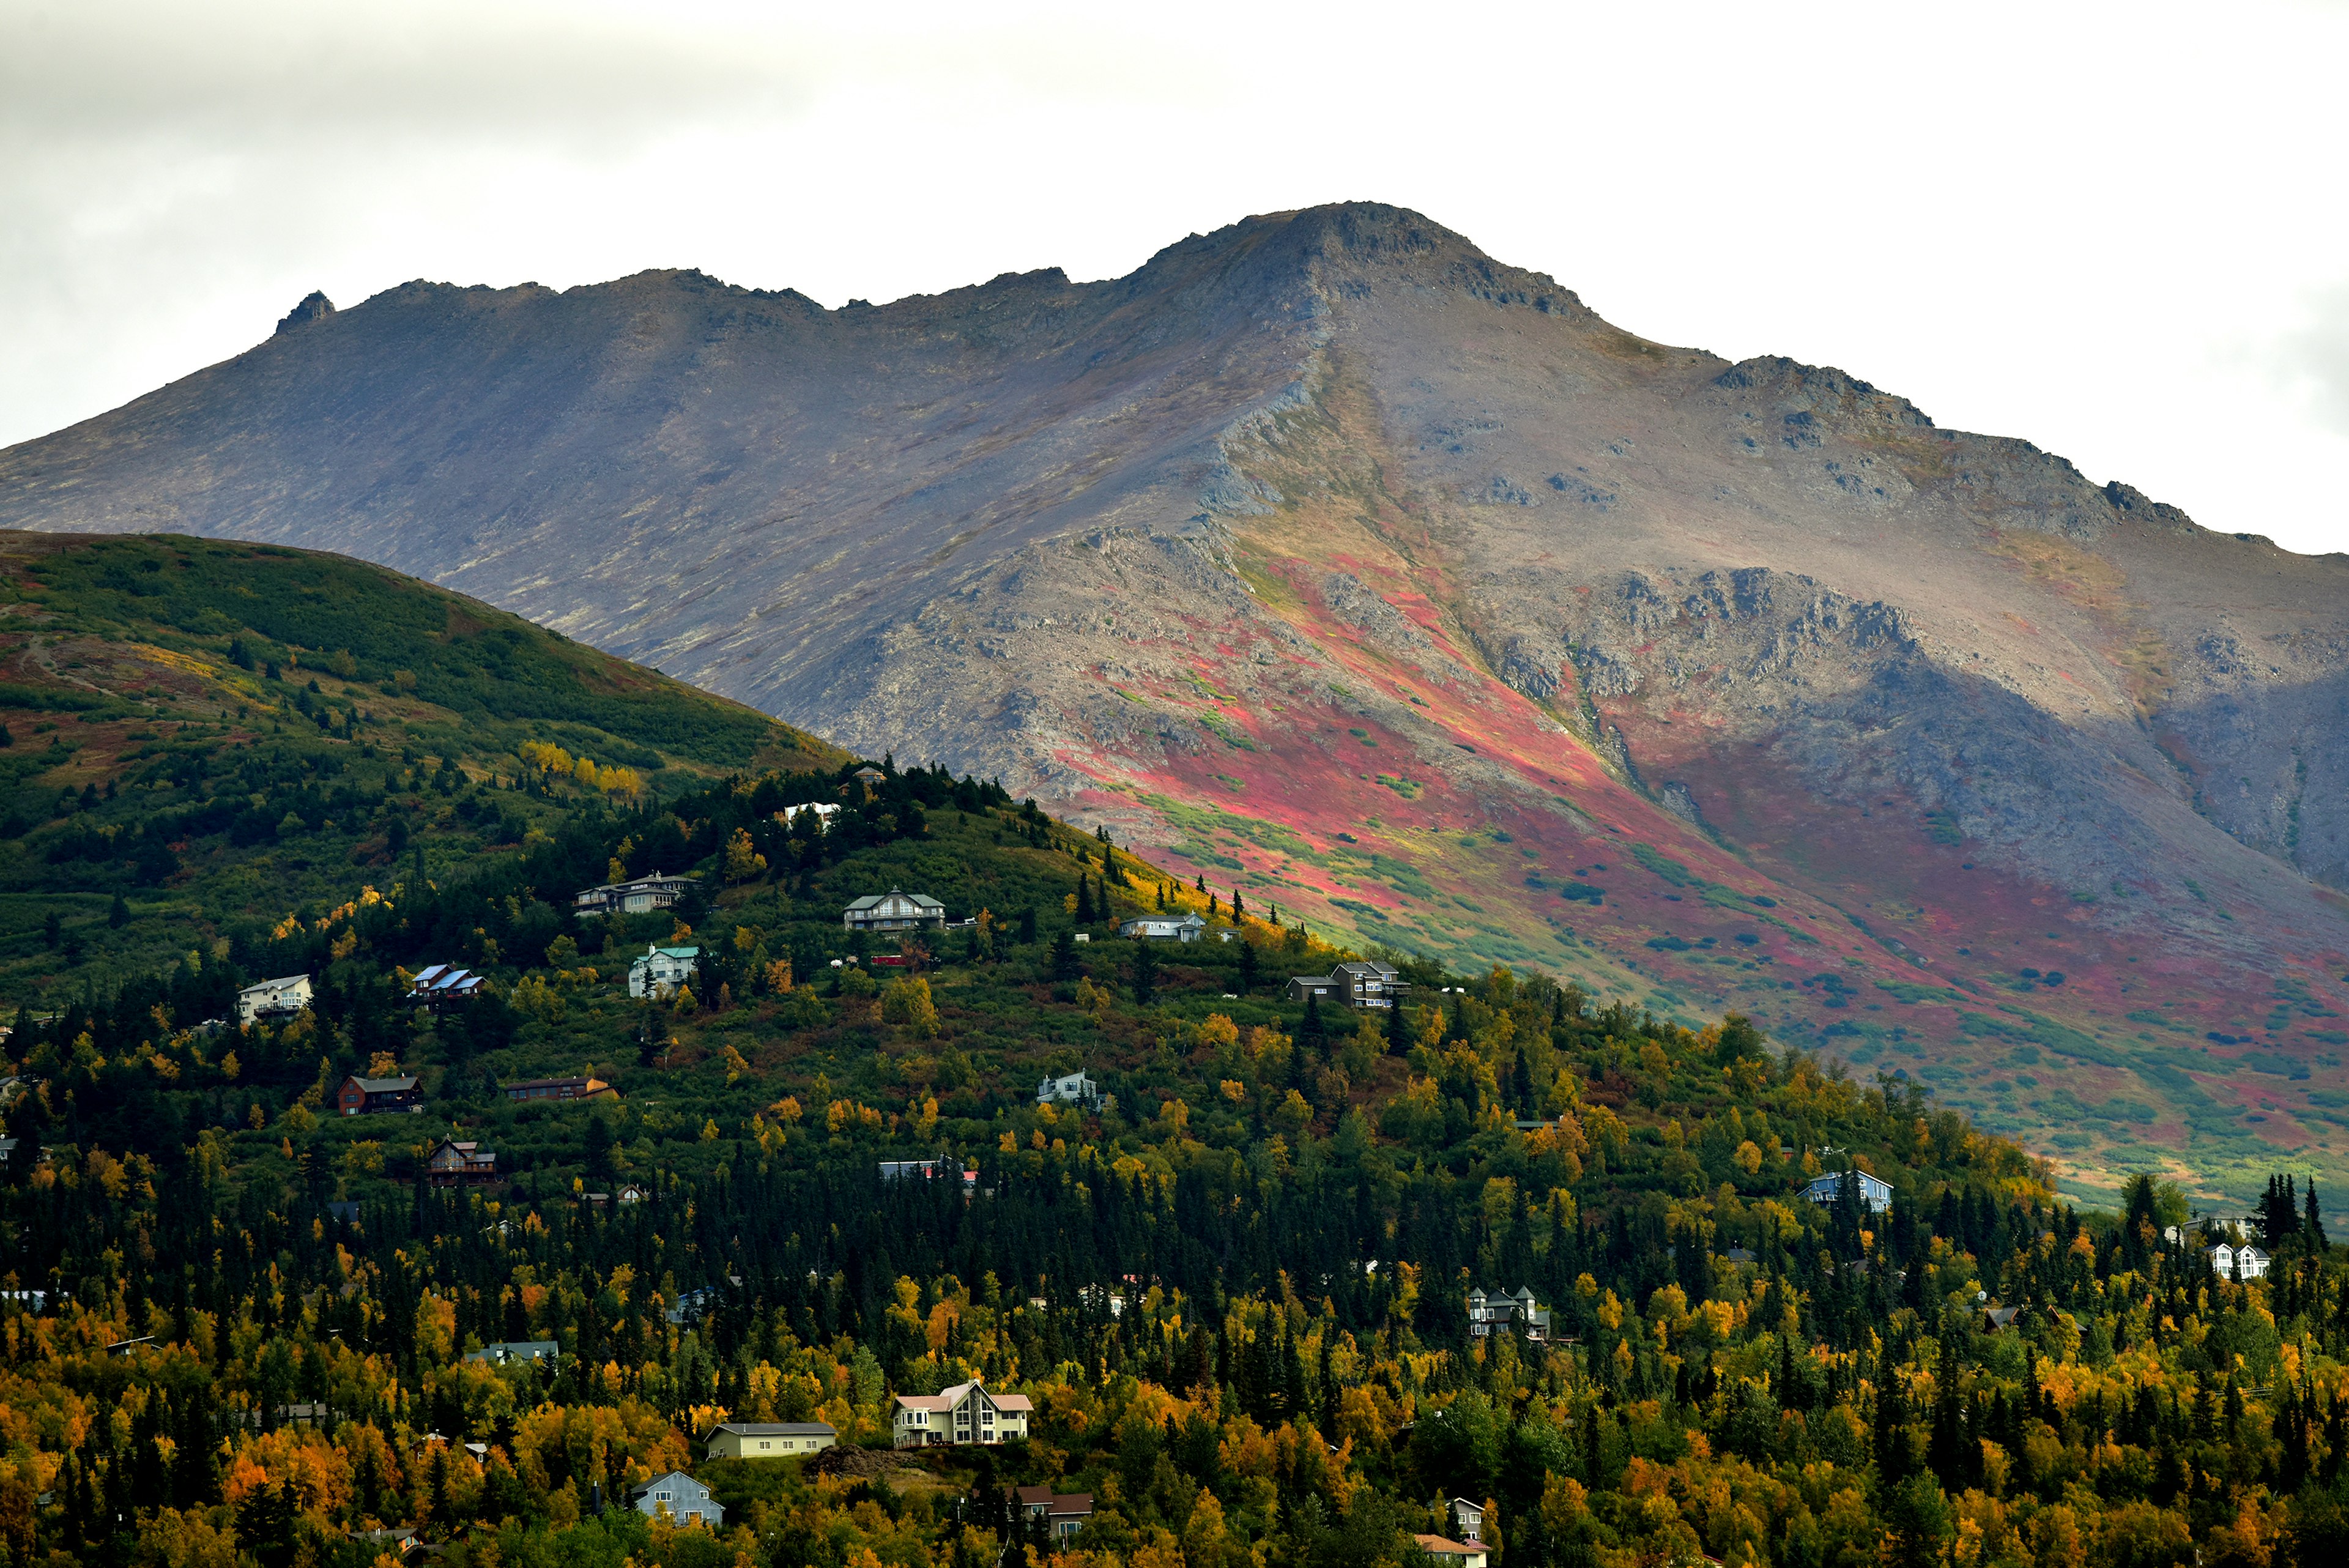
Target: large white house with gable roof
{"points": [[966, 1413]]}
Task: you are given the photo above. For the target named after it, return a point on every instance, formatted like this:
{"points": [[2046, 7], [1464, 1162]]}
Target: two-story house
{"points": [[460, 1164], [768, 1439], [271, 999], [640, 897], [657, 971], [1069, 1089], [894, 910], [376, 1097], [441, 986], [2226, 1258], [1497, 1311], [966, 1413], [682, 1497], [1061, 1513], [1357, 984], [1875, 1193]]}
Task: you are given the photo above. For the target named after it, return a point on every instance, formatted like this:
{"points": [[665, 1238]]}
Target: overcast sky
{"points": [[2115, 230]]}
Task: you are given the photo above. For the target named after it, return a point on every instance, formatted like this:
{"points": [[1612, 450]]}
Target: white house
{"points": [[684, 1499], [824, 812], [1075, 1089], [966, 1413], [1357, 984], [2227, 1258], [1875, 1195], [1492, 1310], [894, 910], [658, 972], [639, 896], [1185, 928], [272, 999]]}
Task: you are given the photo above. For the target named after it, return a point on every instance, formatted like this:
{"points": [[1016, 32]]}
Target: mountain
{"points": [[1389, 583], [200, 739]]}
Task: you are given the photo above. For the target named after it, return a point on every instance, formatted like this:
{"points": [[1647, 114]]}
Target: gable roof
{"points": [[947, 1398], [382, 1085], [277, 985], [774, 1430]]}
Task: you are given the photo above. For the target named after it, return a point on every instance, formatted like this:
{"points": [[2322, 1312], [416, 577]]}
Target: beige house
{"points": [[768, 1439], [966, 1413], [1453, 1553]]}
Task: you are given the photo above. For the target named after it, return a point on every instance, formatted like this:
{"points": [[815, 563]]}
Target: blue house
{"points": [[686, 1500], [1875, 1196]]}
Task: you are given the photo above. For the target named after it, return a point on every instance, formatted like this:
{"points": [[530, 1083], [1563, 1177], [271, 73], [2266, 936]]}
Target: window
{"points": [[764, 1444]]}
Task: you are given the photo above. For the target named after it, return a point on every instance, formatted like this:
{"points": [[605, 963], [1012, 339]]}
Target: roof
{"points": [[1834, 1179], [643, 1487], [382, 1085], [677, 952], [775, 1430], [947, 1398], [873, 901], [274, 984], [1059, 1503], [551, 1083], [1440, 1546]]}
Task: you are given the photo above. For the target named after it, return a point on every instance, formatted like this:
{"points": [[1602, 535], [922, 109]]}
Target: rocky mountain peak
{"points": [[314, 307]]}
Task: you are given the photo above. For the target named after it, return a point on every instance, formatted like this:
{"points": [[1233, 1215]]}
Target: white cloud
{"points": [[2080, 224]]}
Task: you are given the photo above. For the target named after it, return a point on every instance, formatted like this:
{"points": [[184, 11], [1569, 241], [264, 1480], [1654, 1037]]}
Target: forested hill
{"points": [[1234, 1290], [195, 737]]}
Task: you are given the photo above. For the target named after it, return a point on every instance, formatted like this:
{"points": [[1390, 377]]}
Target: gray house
{"points": [[1357, 984], [894, 910], [686, 1500]]}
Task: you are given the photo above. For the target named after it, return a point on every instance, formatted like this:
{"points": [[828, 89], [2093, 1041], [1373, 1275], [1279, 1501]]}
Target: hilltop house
{"points": [[374, 1097], [824, 812], [1875, 1194], [1497, 1310], [456, 1164], [1062, 1513], [2226, 1258], [639, 896], [768, 1439], [440, 985], [272, 999], [893, 910], [657, 972], [582, 1088], [1185, 928], [682, 1497], [1357, 984], [966, 1413], [1073, 1089]]}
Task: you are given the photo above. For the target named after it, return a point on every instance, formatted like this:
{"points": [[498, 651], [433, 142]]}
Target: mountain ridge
{"points": [[1390, 581]]}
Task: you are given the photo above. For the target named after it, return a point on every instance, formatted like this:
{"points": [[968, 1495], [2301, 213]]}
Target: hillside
{"points": [[1331, 558], [197, 738], [1234, 1296]]}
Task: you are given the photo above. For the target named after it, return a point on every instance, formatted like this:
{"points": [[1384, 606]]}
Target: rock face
{"points": [[1392, 585]]}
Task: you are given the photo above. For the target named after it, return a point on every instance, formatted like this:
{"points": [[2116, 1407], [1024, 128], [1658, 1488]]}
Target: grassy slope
{"points": [[115, 675]]}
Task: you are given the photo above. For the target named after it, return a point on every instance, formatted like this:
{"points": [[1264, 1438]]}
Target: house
{"points": [[694, 1304], [657, 972], [1489, 1311], [581, 1088], [894, 910], [682, 1497], [824, 812], [1471, 1517], [455, 1164], [1181, 928], [1453, 1553], [1062, 1514], [1875, 1195], [1357, 984], [768, 1439], [511, 1351], [376, 1097], [640, 897], [871, 778], [928, 1170], [966, 1413], [439, 986], [1996, 1318], [1074, 1089], [2227, 1260], [272, 999]]}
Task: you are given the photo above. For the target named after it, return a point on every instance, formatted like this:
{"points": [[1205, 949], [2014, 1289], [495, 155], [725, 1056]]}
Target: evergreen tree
{"points": [[1085, 916], [118, 914]]}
